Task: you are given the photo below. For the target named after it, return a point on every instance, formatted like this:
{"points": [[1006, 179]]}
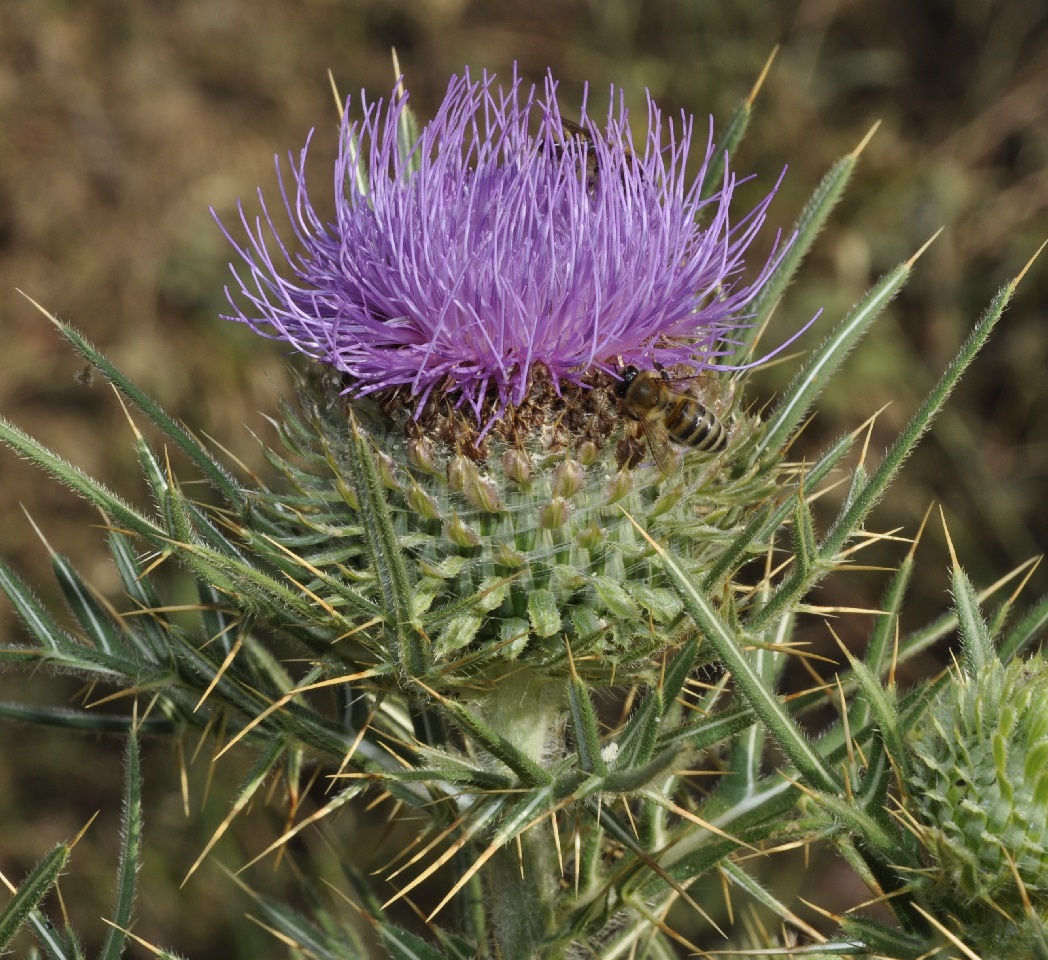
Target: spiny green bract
{"points": [[980, 790], [530, 548]]}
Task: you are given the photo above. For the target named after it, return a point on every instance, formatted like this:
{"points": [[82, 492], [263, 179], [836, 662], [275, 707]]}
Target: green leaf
{"points": [[584, 726], [213, 471], [761, 698], [90, 721], [36, 617], [31, 891], [1025, 631], [93, 617], [406, 946], [823, 362], [405, 642], [768, 520], [130, 853], [881, 705], [856, 512], [75, 478], [519, 762], [976, 646], [806, 229], [732, 136]]}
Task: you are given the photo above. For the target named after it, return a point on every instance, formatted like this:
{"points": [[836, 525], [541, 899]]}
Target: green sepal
{"points": [[584, 725], [976, 646], [500, 748], [405, 642], [544, 612]]}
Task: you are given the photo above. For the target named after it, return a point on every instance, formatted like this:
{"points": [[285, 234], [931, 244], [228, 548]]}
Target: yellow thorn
{"points": [[949, 542], [865, 140], [1029, 263], [920, 531], [927, 244], [145, 943], [83, 830], [339, 105], [952, 937], [764, 73]]}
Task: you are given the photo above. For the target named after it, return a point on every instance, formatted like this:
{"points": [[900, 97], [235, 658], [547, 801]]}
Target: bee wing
{"points": [[573, 129], [662, 449]]}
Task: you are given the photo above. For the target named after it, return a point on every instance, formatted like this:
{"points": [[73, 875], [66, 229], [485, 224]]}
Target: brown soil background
{"points": [[121, 122]]}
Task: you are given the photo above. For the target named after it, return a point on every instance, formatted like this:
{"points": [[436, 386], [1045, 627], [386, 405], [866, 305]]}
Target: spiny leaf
{"points": [[881, 478], [31, 891], [130, 851], [73, 477], [733, 133], [498, 746], [584, 725], [821, 364], [763, 700], [213, 471], [406, 643], [806, 229]]}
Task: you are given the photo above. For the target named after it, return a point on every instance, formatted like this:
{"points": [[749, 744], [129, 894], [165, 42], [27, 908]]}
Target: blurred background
{"points": [[122, 121]]}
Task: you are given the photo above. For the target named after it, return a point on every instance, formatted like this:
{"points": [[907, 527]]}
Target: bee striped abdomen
{"points": [[690, 424]]}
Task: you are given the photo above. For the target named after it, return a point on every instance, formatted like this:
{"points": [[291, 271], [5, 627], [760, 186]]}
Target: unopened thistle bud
{"points": [[980, 793]]}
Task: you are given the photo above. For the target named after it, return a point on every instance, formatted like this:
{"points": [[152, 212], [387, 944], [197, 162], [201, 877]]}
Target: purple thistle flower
{"points": [[497, 244]]}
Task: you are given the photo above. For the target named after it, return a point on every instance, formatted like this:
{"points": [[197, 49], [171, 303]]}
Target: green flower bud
{"points": [[979, 788]]}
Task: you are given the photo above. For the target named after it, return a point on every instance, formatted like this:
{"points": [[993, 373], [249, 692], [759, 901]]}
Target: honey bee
{"points": [[666, 414], [582, 136]]}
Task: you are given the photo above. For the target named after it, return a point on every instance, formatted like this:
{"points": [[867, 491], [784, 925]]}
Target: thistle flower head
{"points": [[502, 242]]}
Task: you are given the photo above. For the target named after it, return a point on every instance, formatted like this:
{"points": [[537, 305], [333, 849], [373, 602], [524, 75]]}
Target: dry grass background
{"points": [[122, 121]]}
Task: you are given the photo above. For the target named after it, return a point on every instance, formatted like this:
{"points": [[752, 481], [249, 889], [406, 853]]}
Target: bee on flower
{"points": [[483, 268]]}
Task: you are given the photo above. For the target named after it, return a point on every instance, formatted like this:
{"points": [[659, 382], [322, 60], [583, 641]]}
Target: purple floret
{"points": [[497, 244]]}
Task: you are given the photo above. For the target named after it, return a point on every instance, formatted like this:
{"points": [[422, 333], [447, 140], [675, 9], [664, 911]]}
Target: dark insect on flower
{"points": [[587, 145], [464, 264], [666, 413]]}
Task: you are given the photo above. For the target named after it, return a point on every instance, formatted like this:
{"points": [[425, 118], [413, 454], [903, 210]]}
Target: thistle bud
{"points": [[423, 454], [980, 788], [460, 472], [516, 465], [569, 478], [554, 514]]}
